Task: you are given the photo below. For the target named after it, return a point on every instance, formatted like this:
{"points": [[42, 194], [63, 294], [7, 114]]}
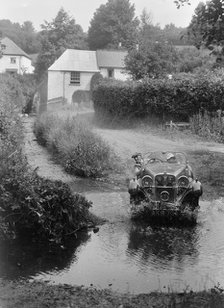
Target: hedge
{"points": [[30, 206], [177, 99]]}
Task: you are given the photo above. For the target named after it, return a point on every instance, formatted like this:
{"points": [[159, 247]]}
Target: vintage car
{"points": [[164, 189]]}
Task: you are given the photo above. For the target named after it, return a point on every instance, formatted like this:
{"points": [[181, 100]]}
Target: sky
{"points": [[37, 11]]}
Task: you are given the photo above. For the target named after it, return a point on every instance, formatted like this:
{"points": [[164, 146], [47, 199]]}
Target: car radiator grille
{"points": [[169, 192]]}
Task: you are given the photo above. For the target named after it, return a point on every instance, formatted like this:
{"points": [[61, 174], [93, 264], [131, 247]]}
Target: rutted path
{"points": [[39, 158]]}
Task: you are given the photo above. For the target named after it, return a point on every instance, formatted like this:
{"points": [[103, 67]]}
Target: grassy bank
{"points": [[74, 145], [40, 295]]}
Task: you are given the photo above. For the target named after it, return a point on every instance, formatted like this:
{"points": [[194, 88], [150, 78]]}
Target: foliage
{"points": [[39, 208], [207, 24], [209, 125], [151, 60], [190, 60], [56, 37], [113, 23], [11, 98], [176, 99], [78, 149], [29, 205], [23, 35], [95, 81], [180, 3], [28, 87]]}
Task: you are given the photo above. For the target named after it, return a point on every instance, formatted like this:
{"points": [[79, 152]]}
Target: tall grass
{"points": [[80, 151], [208, 125]]}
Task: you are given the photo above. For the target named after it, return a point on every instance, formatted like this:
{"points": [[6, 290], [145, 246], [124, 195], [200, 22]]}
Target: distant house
{"points": [[111, 63], [14, 59], [70, 75]]}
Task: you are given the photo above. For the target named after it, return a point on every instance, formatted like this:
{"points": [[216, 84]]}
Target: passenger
{"points": [[138, 163]]}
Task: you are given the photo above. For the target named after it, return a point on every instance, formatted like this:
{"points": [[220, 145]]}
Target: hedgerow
{"points": [[31, 206], [176, 99]]}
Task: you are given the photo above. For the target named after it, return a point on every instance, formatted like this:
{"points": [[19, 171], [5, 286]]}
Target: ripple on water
{"points": [[128, 256]]}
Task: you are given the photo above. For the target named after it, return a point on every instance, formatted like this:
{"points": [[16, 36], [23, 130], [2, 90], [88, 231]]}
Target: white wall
{"points": [[59, 84], [118, 73], [22, 65]]}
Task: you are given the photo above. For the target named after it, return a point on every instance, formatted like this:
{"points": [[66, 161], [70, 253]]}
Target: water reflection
{"points": [[24, 259], [162, 247]]}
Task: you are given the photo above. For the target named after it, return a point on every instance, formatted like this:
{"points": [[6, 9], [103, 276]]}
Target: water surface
{"points": [[125, 256]]}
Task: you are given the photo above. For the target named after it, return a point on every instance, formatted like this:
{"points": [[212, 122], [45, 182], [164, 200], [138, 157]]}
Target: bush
{"points": [[208, 125], [78, 149], [175, 99], [29, 205], [40, 209], [28, 87]]}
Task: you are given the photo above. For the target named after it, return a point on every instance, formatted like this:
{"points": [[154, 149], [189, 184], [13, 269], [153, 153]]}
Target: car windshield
{"points": [[165, 157]]}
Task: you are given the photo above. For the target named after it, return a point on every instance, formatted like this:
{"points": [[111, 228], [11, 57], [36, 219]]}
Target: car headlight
{"points": [[147, 181], [183, 182]]}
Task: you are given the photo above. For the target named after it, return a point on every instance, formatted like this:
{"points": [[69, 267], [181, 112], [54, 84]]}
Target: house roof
{"points": [[12, 49], [111, 58], [76, 60]]}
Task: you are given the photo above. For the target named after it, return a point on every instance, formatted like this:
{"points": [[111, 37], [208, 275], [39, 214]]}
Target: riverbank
{"points": [[41, 295]]}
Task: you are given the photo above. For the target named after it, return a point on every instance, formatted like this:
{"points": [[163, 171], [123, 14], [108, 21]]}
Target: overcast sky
{"points": [[162, 11]]}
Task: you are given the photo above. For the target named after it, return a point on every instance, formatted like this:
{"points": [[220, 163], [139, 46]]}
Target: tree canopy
{"points": [[207, 24], [23, 35], [57, 36], [113, 23], [151, 60]]}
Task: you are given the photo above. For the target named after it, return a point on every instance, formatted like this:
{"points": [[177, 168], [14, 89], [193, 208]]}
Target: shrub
{"points": [[208, 125], [28, 87], [40, 209], [78, 149], [176, 99], [29, 205]]}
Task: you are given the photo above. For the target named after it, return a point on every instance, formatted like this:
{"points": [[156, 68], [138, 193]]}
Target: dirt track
{"points": [[127, 141]]}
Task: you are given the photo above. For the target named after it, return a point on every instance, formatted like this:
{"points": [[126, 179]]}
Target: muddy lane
{"points": [[129, 257]]}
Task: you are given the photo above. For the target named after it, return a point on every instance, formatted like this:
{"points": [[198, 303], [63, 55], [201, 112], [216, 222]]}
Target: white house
{"points": [[14, 59], [70, 75], [72, 71], [111, 63]]}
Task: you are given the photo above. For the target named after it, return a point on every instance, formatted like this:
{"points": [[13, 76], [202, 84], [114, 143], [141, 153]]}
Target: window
{"points": [[13, 60], [75, 78], [11, 71], [110, 73]]}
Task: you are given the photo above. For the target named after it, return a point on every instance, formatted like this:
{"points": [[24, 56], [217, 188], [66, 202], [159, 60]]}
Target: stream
{"points": [[125, 256]]}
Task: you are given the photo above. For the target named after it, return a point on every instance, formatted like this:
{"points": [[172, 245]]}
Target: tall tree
{"points": [[23, 35], [151, 60], [29, 38], [57, 36], [113, 23], [207, 24]]}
